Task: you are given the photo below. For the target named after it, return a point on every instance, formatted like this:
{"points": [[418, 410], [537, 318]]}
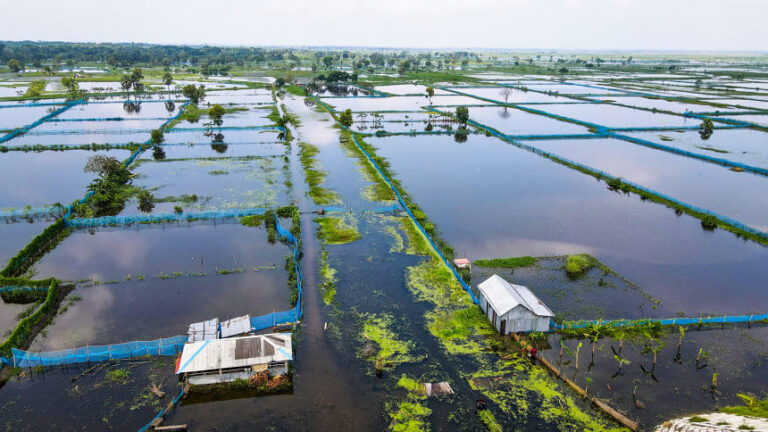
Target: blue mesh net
{"points": [[161, 217], [164, 347], [664, 321]]}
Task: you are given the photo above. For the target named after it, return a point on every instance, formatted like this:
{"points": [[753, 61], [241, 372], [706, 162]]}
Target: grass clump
{"points": [[252, 220], [315, 176], [337, 230], [578, 264], [513, 262], [753, 407], [410, 384], [489, 420], [35, 89], [698, 419], [295, 90], [329, 278], [118, 376], [391, 350], [409, 417], [709, 222]]}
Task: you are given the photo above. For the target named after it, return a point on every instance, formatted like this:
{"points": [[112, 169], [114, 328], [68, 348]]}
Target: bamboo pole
{"points": [[619, 417]]}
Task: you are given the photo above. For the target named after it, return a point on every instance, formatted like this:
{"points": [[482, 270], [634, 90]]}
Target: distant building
{"points": [[513, 308]]}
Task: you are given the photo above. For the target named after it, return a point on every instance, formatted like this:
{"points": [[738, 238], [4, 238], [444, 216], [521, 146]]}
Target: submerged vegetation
{"points": [[315, 177], [336, 230]]}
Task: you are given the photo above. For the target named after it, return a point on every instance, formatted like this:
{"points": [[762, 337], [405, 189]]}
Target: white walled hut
{"points": [[513, 308]]}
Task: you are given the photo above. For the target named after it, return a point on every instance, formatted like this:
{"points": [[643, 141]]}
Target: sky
{"points": [[676, 25]]}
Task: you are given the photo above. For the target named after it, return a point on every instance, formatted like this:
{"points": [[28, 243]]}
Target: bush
{"points": [[345, 118], [709, 222], [157, 136], [578, 264]]}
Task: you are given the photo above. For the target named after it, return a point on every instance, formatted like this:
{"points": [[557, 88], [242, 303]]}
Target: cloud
{"points": [[541, 24]]}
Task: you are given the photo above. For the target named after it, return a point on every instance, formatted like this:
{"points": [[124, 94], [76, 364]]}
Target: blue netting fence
{"points": [[90, 354], [38, 122], [413, 219], [161, 217], [664, 321], [725, 219], [104, 119], [33, 212], [12, 288]]}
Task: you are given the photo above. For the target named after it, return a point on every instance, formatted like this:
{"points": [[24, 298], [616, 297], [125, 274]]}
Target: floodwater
{"points": [[616, 116], [488, 198], [21, 116], [665, 105], [397, 103], [745, 146], [511, 121], [155, 302], [408, 89], [699, 183], [491, 199], [220, 182], [45, 178], [515, 95], [110, 110]]}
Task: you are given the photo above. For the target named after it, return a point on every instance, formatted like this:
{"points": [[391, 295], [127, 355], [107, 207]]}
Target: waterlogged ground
{"points": [[383, 315]]}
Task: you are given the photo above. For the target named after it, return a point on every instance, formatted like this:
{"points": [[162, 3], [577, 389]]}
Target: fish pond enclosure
{"points": [[490, 247]]}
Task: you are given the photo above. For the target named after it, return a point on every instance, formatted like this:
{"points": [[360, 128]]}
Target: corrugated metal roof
{"points": [[504, 296], [236, 326], [205, 330], [212, 355]]}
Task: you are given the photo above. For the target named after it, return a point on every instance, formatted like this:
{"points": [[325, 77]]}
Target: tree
{"points": [[158, 153], [216, 114], [193, 93], [136, 76], [146, 201], [327, 61], [168, 79], [279, 82], [462, 114], [104, 166], [14, 65], [345, 118], [706, 129], [505, 93], [125, 82], [47, 71], [430, 94], [157, 136]]}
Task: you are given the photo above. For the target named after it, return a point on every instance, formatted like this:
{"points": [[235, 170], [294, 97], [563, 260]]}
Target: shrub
{"points": [[709, 222], [578, 264]]}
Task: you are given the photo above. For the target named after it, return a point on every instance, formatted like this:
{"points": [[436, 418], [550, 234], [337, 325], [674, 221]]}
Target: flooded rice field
{"points": [[380, 205], [43, 179]]}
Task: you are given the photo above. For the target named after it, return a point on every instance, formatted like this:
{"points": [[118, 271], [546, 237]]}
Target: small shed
{"points": [[217, 361], [462, 263], [513, 308]]}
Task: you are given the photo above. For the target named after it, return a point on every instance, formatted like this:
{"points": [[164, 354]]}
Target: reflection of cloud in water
{"points": [[508, 247], [129, 255], [78, 326]]}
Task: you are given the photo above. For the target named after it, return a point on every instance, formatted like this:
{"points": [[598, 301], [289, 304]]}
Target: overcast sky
{"points": [[565, 24]]}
